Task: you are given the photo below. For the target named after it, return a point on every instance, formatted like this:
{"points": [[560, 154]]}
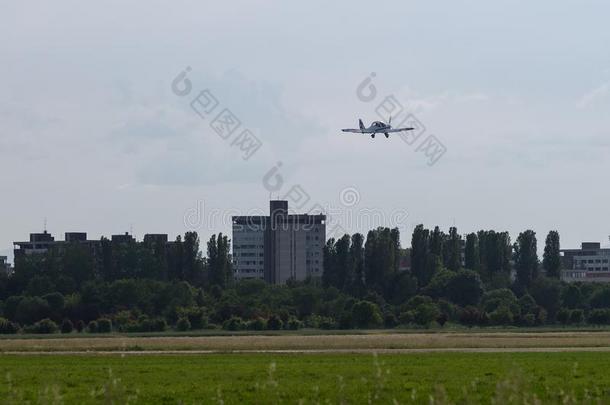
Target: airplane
{"points": [[377, 127]]}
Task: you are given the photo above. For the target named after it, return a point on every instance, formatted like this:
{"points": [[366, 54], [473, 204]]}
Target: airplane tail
{"points": [[361, 124]]}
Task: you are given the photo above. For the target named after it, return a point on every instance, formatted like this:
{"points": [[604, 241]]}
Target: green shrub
{"points": [[257, 324], [66, 326], [563, 316], [406, 317], [577, 316], [366, 314], [294, 323], [80, 326], [92, 327], [425, 314], [183, 324], [471, 316], [599, 316], [327, 323], [104, 325], [234, 323], [7, 327], [274, 323], [529, 319], [501, 316], [43, 326], [346, 320], [145, 324], [390, 320], [32, 309], [195, 315]]}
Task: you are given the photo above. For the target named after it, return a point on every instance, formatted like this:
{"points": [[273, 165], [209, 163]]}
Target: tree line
{"points": [[478, 279]]}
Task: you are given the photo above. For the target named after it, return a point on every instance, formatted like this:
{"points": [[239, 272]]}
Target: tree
{"points": [[366, 314], [344, 264], [495, 251], [330, 271], [357, 286], [31, 309], [526, 258], [571, 297], [426, 313], [380, 257], [465, 288], [66, 326], [547, 293], [552, 259], [420, 249], [193, 262], [454, 250], [219, 261], [472, 258]]}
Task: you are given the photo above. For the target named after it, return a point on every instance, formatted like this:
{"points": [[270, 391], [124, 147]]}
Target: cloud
{"points": [[595, 96]]}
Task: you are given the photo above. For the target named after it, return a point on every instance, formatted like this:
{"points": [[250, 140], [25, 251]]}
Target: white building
{"points": [[278, 247]]}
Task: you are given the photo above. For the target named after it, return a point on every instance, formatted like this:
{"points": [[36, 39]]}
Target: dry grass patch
{"points": [[378, 341]]}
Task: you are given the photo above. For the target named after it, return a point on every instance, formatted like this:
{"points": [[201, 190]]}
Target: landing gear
{"points": [[387, 135], [373, 136]]}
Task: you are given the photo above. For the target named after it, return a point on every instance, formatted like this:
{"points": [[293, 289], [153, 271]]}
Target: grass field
{"points": [[288, 378]]}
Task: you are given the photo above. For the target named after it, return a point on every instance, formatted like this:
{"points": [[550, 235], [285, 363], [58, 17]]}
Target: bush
{"points": [[195, 315], [425, 314], [390, 320], [274, 323], [406, 317], [43, 326], [366, 314], [501, 316], [80, 326], [104, 325], [92, 327], [257, 324], [599, 317], [563, 316], [148, 325], [494, 299], [577, 316], [327, 323], [346, 320], [529, 319], [183, 324], [294, 323], [234, 323], [66, 326], [31, 309], [471, 316], [7, 327]]}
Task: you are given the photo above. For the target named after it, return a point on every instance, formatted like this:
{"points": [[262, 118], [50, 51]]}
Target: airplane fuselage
{"points": [[377, 127]]}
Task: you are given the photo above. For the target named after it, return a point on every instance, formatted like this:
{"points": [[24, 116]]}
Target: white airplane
{"points": [[377, 127]]}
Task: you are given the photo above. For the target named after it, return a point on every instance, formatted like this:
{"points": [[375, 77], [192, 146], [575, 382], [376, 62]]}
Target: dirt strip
{"points": [[312, 343]]}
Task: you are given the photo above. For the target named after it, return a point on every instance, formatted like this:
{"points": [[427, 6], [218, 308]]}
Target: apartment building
{"points": [[278, 247]]}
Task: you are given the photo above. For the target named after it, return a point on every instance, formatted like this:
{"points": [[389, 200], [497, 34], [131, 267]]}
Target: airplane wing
{"points": [[358, 131], [398, 130]]}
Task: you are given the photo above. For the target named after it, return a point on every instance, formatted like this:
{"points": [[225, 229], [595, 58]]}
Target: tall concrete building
{"points": [[589, 263], [5, 267], [278, 247]]}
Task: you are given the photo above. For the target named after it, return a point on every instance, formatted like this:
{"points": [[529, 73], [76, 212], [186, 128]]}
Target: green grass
{"points": [[266, 378], [448, 328]]}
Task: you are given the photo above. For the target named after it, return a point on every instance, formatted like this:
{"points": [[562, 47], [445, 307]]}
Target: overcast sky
{"points": [[93, 138]]}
